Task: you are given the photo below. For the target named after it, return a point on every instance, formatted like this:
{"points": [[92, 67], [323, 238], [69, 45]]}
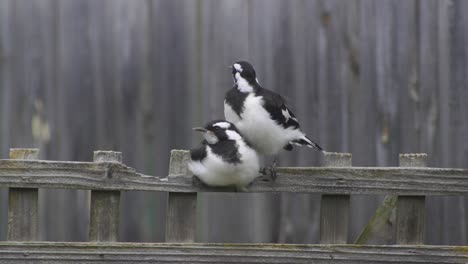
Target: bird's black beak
{"points": [[200, 129]]}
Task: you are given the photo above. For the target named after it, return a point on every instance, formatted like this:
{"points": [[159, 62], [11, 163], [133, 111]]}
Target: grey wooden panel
{"points": [[72, 126], [410, 220], [23, 211], [113, 47], [457, 103], [382, 227], [363, 105], [269, 33], [411, 210], [334, 209], [450, 95], [387, 136], [5, 84], [25, 70], [181, 214], [105, 205], [429, 106], [124, 46], [224, 39], [380, 230], [60, 252]]}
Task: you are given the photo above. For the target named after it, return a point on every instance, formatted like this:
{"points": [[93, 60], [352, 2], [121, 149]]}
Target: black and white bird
{"points": [[224, 158], [262, 115]]}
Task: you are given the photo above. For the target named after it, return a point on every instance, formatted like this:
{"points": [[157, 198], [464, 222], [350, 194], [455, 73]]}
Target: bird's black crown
{"points": [[246, 71]]}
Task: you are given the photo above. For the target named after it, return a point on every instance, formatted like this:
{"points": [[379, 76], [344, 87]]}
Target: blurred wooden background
{"points": [[375, 78]]}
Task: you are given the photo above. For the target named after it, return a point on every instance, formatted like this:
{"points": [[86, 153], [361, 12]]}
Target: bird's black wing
{"points": [[198, 154], [227, 150], [275, 105]]}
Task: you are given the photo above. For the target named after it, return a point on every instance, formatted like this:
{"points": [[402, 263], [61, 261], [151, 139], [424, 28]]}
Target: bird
{"points": [[224, 157], [262, 116]]}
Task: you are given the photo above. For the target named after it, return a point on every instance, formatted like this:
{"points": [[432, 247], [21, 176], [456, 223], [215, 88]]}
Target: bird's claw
{"points": [[270, 171]]}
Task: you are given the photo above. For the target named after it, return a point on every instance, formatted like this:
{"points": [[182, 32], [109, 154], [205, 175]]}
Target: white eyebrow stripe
{"points": [[224, 125]]}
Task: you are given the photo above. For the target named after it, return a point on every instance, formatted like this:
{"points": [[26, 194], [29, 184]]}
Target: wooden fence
{"points": [[401, 216]]}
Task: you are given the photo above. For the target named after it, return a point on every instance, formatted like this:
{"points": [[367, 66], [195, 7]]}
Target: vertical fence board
{"points": [[105, 205], [334, 210], [182, 207], [410, 214], [23, 205]]}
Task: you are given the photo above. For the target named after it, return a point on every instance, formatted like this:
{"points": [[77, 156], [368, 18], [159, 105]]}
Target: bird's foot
{"points": [[270, 171]]}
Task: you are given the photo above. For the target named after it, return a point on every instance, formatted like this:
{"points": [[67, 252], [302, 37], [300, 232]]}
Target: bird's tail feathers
{"points": [[305, 141]]}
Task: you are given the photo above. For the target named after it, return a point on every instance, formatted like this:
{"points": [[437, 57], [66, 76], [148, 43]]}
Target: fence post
{"points": [[334, 209], [411, 209], [23, 204], [105, 205], [181, 207]]}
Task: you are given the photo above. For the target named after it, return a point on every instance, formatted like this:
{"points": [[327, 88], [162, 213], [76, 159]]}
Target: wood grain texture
{"points": [[410, 220], [334, 209], [411, 210], [66, 252], [333, 180], [181, 207], [105, 205], [142, 73], [382, 227], [23, 211]]}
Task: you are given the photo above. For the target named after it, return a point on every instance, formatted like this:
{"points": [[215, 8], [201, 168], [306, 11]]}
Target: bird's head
{"points": [[243, 72], [218, 130]]}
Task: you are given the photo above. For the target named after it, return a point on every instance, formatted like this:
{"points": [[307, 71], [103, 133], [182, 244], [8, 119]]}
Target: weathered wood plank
{"points": [[181, 207], [410, 220], [334, 210], [382, 228], [23, 210], [69, 252], [105, 205], [410, 210], [332, 180]]}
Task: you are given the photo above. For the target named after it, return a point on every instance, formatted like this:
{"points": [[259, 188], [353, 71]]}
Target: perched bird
{"points": [[224, 158], [261, 115]]}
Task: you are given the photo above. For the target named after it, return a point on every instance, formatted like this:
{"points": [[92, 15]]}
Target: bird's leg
{"points": [[270, 170], [273, 174]]}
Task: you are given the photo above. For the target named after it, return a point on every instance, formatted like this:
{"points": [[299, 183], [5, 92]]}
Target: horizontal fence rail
{"points": [[70, 252], [332, 180], [400, 219]]}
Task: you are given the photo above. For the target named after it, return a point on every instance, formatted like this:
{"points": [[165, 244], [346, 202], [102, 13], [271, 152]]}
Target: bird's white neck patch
{"points": [[224, 125], [233, 135], [242, 84], [210, 138], [238, 67]]}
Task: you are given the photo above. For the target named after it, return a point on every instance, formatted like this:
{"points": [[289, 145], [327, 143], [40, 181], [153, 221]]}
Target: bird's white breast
{"points": [[214, 171], [261, 131]]}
